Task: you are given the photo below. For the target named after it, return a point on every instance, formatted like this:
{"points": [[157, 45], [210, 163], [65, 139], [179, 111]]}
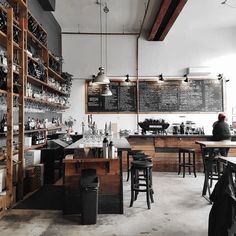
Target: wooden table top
{"points": [[217, 144], [231, 160]]}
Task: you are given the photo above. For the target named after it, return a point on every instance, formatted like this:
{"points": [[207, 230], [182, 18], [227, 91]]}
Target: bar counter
{"points": [[164, 149], [109, 171]]}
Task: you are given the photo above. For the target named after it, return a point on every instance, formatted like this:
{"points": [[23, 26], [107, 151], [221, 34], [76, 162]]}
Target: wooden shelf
{"points": [[58, 105], [55, 128], [21, 26], [5, 92], [38, 82], [34, 39], [55, 74], [33, 59], [14, 71], [15, 21], [3, 41], [41, 28], [35, 130], [35, 147], [35, 80], [21, 3]]}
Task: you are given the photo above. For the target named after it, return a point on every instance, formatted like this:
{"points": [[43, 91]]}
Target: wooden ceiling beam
{"points": [[166, 16], [173, 19], [160, 15]]}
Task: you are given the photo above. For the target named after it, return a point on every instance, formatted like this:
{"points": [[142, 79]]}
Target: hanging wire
{"points": [[227, 4], [101, 30], [106, 10]]}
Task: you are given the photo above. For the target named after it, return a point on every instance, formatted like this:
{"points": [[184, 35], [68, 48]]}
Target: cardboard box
{"points": [[2, 178], [28, 142], [32, 157]]}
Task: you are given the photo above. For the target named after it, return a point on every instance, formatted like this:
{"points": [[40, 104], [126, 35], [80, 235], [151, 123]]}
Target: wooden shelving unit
{"points": [[26, 38]]}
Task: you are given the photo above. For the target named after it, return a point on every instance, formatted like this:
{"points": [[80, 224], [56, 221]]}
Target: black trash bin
{"points": [[89, 185]]}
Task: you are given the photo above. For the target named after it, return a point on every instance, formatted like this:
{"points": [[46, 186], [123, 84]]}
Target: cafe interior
{"points": [[107, 110]]}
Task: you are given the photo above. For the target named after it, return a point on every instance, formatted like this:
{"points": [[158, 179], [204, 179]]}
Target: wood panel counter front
{"points": [[164, 149], [110, 194]]}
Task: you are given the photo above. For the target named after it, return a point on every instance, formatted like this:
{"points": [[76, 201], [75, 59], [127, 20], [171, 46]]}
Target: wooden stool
{"points": [[141, 181], [131, 153], [190, 163]]}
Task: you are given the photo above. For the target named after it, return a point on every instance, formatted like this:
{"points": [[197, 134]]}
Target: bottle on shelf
{"points": [[38, 138], [111, 150], [3, 21], [105, 148], [3, 124], [3, 79], [106, 130]]}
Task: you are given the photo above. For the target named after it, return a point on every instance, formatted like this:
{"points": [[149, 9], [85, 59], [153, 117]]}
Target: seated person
{"points": [[221, 132]]}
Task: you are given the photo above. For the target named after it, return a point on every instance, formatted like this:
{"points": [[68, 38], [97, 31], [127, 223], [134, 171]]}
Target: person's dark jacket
{"points": [[223, 198], [221, 131]]}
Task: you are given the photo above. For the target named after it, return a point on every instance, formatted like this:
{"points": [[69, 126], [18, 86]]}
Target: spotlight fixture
{"points": [[127, 79], [126, 82], [186, 80], [220, 76], [91, 82], [161, 78]]}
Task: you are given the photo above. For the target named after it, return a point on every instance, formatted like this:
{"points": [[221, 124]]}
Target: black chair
{"points": [[187, 160], [212, 168], [141, 180]]}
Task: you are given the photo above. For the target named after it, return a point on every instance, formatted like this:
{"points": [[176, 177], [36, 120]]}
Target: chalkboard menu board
{"points": [[123, 98], [176, 96], [170, 96]]}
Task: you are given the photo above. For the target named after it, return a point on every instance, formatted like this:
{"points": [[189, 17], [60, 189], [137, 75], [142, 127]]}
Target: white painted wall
{"points": [[184, 47]]}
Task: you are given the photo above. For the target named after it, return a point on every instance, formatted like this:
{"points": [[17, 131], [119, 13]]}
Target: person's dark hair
{"points": [[221, 117]]}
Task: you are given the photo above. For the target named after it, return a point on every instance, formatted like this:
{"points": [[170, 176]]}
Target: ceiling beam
{"points": [[166, 16], [159, 18]]}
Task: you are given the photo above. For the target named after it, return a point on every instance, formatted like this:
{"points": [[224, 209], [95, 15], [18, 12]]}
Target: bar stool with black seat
{"points": [[131, 153], [141, 180], [189, 163]]}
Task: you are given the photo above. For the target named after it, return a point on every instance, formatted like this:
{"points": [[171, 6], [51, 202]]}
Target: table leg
{"points": [[127, 169], [206, 186]]}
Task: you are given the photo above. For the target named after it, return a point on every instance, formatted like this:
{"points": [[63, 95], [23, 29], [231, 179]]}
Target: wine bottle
{"points": [[105, 148], [3, 124], [3, 79], [111, 151]]}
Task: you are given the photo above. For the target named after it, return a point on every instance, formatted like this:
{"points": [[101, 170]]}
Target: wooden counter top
{"points": [[170, 135]]}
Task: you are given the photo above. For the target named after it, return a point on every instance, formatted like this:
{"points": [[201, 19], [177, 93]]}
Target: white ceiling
{"points": [[125, 16]]}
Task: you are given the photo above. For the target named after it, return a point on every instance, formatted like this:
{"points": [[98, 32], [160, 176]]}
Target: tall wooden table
{"points": [[109, 171], [208, 145]]}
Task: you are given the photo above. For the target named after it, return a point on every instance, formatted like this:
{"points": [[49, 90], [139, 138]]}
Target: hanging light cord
{"points": [[229, 5], [101, 29], [106, 39]]}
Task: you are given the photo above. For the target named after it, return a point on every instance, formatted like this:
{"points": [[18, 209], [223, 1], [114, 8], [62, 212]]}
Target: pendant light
{"points": [[101, 77], [106, 91]]}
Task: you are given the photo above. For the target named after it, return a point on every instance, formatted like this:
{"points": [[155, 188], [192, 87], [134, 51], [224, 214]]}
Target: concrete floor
{"points": [[179, 210]]}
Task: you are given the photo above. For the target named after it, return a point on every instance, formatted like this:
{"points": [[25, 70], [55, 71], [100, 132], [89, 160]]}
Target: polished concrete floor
{"points": [[179, 210]]}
